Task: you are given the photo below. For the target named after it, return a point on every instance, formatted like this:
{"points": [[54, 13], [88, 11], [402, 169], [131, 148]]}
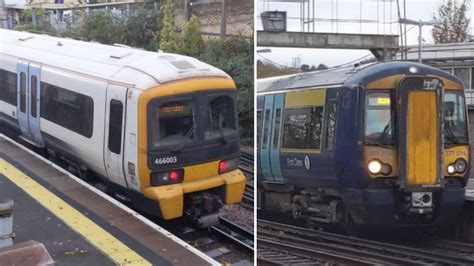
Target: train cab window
{"points": [[222, 119], [455, 124], [8, 89], [265, 129], [34, 90], [22, 92], [276, 131], [171, 124], [331, 114], [68, 109], [303, 128], [378, 115], [115, 126]]}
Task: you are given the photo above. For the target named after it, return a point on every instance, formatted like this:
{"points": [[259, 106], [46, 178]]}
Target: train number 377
{"points": [[166, 160]]}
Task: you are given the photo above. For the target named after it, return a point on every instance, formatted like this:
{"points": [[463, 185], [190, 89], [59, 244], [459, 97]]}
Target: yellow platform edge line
{"points": [[106, 243]]}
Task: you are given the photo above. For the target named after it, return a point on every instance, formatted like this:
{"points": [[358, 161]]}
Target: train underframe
{"points": [[359, 209]]}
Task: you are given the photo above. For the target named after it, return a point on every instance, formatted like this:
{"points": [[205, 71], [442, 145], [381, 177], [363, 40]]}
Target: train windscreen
{"points": [[175, 124], [221, 118], [455, 125], [378, 115]]}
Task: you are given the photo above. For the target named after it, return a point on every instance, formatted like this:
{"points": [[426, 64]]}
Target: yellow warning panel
{"points": [[422, 138], [305, 98]]}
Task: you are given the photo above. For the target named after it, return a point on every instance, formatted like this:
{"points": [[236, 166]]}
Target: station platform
{"points": [[78, 224]]}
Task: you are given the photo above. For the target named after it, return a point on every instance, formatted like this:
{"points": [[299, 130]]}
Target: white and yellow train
{"points": [[160, 128]]}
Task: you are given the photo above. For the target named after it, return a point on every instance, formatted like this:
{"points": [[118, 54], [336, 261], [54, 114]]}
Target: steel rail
{"points": [[367, 245]]}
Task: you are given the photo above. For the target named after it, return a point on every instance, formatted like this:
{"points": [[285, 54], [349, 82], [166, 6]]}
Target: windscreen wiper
{"points": [[449, 129], [219, 129], [385, 130], [186, 137]]}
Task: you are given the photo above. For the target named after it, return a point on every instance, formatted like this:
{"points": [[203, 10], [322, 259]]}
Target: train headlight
{"points": [[167, 177], [459, 166], [228, 165], [377, 167], [451, 169]]}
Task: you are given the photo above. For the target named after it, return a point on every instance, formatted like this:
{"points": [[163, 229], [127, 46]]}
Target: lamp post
{"points": [[420, 24]]}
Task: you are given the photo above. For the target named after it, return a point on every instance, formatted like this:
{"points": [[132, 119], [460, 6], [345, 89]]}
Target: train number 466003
{"points": [[166, 160]]}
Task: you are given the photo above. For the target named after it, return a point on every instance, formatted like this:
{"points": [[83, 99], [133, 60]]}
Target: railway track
{"points": [[330, 247], [247, 166], [235, 233]]}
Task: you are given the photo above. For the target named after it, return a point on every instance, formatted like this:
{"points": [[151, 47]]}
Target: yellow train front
{"points": [[189, 148], [378, 145]]}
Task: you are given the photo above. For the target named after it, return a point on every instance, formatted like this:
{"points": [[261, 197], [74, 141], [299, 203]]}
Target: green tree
{"points": [[139, 30], [235, 57], [455, 23], [191, 41], [168, 37], [100, 27], [34, 21]]}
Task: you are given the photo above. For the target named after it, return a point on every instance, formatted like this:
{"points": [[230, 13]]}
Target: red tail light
{"points": [[222, 166], [174, 175], [167, 177], [228, 165]]}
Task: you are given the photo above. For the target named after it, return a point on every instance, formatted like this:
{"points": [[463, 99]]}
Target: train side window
{"points": [[265, 129], [259, 127], [22, 92], [276, 133], [34, 84], [330, 125], [8, 92], [68, 109], [303, 128], [115, 126]]}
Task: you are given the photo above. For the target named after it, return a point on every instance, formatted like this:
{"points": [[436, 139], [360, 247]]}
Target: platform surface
{"points": [[79, 225]]}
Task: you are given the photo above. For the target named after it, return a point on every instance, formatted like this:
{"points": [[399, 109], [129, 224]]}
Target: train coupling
{"points": [[203, 209]]}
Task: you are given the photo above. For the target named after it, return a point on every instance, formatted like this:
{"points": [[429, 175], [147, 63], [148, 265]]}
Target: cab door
{"points": [[114, 133]]}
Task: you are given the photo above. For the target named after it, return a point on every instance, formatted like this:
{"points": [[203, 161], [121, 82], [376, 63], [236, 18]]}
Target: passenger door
{"points": [[114, 133], [28, 101], [265, 142], [276, 132]]}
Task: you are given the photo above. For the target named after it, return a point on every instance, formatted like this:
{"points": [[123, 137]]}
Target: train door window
{"points": [[303, 128], [265, 129], [34, 88], [22, 92], [8, 91], [330, 124], [259, 127], [115, 126], [276, 133]]}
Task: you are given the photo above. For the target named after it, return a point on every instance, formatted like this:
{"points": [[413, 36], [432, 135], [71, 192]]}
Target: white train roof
{"points": [[105, 61]]}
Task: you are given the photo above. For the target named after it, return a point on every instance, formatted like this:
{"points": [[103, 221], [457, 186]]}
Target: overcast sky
{"points": [[374, 21]]}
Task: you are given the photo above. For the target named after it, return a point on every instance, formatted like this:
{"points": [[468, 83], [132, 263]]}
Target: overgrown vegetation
{"points": [[157, 31]]}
